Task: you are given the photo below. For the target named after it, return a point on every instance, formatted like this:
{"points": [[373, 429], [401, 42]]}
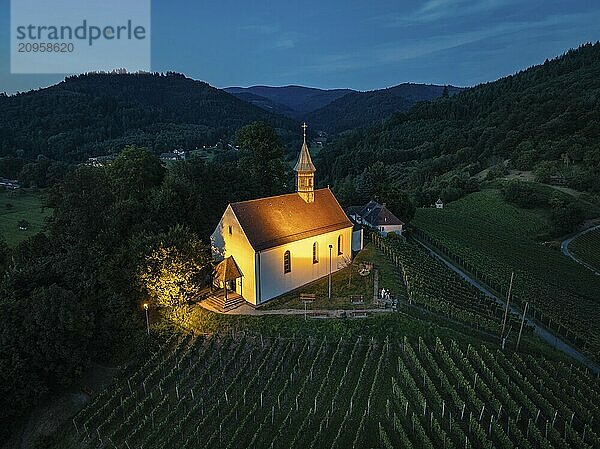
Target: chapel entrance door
{"points": [[231, 285]]}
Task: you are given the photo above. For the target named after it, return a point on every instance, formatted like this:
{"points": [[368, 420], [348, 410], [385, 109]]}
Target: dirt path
{"points": [[564, 247]]}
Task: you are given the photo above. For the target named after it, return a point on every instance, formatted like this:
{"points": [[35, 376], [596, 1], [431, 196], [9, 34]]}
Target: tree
{"points": [[261, 159], [399, 203], [175, 269], [81, 204], [566, 217], [134, 171], [4, 253]]}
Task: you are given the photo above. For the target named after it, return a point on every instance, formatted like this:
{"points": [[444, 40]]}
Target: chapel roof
{"points": [[277, 220]]}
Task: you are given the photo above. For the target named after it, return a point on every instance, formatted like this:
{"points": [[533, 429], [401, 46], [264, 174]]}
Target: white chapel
{"points": [[272, 245]]}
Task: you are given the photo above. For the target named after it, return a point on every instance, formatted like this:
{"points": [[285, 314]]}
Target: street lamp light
{"points": [[330, 248], [147, 318]]}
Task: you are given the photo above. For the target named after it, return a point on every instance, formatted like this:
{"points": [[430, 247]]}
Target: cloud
{"points": [[418, 47], [437, 10], [276, 38], [260, 29]]}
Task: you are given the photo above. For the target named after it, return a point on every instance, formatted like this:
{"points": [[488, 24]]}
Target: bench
{"points": [[308, 297], [357, 299]]}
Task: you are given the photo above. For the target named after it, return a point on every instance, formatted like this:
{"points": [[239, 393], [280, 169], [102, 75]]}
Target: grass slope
{"points": [[26, 205]]}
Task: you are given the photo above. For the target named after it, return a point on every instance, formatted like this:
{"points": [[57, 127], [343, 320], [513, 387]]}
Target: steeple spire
{"points": [[305, 172]]}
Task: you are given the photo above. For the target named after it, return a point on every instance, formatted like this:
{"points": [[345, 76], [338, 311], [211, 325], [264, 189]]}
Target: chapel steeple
{"points": [[305, 172]]}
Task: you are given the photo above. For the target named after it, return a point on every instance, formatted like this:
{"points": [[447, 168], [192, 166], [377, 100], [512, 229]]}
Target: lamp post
{"points": [[147, 318], [330, 248]]}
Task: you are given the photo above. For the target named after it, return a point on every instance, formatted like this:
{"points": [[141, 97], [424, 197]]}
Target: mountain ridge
{"points": [[543, 119], [299, 99], [93, 114]]}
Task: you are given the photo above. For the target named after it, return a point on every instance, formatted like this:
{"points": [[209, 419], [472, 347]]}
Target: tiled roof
{"points": [[277, 220]]}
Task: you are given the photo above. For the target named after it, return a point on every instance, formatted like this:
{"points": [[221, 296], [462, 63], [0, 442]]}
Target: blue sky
{"points": [[358, 44]]}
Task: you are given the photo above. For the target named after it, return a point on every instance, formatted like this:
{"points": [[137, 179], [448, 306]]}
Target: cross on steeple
{"points": [[304, 126]]}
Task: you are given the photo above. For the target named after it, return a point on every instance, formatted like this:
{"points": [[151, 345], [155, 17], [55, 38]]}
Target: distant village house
{"points": [[376, 216]]}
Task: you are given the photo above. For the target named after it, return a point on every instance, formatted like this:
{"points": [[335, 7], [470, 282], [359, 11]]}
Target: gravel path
{"points": [[246, 309], [564, 247]]}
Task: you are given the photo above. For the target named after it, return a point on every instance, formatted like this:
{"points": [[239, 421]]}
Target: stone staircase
{"points": [[219, 303]]}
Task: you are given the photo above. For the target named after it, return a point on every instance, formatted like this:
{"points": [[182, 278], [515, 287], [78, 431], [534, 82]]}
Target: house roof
{"points": [[376, 214], [277, 220], [382, 216], [227, 270]]}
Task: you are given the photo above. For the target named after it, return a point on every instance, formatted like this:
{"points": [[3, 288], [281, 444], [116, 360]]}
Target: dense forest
{"points": [[545, 119], [338, 110], [362, 109], [97, 114], [73, 293]]}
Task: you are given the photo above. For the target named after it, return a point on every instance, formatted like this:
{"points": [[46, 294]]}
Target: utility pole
{"points": [[522, 323], [330, 249], [512, 276]]}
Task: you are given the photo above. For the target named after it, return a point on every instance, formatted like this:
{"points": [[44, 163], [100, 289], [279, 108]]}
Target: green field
{"points": [[587, 248], [244, 390], [21, 205], [493, 238]]}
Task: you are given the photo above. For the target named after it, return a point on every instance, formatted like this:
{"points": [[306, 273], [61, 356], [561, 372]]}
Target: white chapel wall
{"points": [[273, 280]]}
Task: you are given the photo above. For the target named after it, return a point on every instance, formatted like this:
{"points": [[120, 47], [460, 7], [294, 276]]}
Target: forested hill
{"points": [[361, 109], [293, 101], [95, 114], [545, 119]]}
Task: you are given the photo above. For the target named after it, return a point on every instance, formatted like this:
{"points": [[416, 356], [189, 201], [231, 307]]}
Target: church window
{"points": [[315, 252], [287, 262], [230, 230], [340, 252]]}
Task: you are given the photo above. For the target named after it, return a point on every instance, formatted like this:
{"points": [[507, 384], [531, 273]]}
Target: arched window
{"points": [[340, 252], [287, 262], [315, 252]]}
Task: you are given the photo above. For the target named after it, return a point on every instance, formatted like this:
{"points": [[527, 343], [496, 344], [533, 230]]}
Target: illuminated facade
{"points": [[282, 242]]}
